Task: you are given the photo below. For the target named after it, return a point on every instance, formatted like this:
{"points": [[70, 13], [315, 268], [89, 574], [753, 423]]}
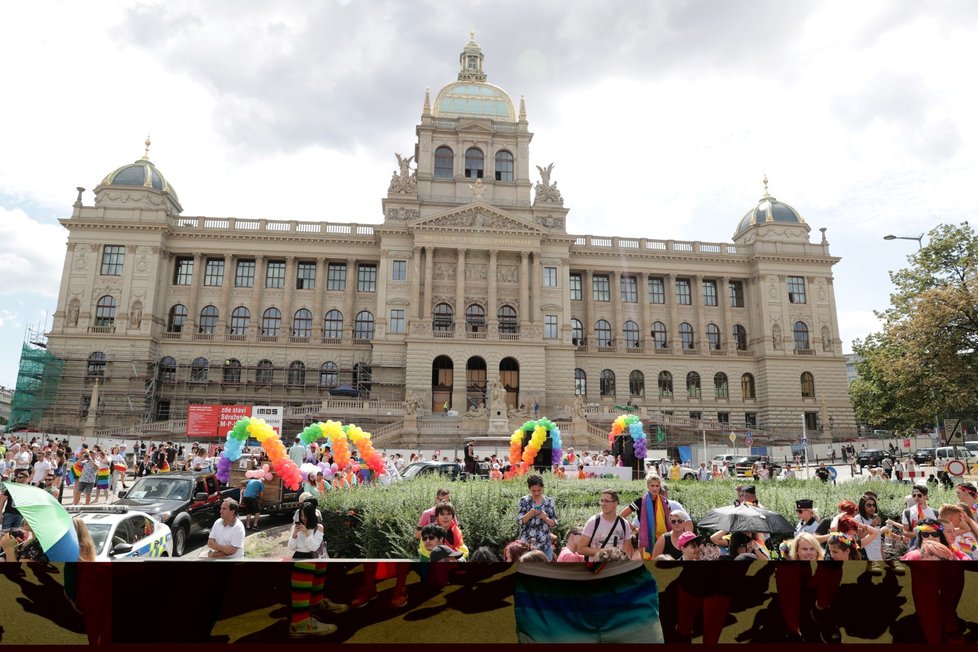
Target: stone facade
{"points": [[471, 277]]}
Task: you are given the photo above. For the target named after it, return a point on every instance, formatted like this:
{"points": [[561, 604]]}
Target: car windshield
{"points": [[160, 488], [99, 532], [413, 470]]}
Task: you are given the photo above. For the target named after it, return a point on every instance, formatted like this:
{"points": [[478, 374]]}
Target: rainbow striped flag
{"points": [[102, 477], [165, 467], [120, 468], [72, 473]]}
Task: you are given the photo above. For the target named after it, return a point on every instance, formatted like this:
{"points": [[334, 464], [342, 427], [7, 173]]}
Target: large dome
{"points": [[474, 99], [142, 174], [769, 210]]}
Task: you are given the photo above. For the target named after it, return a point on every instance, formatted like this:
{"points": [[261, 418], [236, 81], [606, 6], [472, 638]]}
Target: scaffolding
{"points": [[38, 379]]}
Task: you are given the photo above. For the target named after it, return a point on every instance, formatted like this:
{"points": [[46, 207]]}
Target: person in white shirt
{"points": [[703, 473], [307, 534], [297, 452], [587, 460], [227, 535], [41, 469], [607, 529], [199, 461]]}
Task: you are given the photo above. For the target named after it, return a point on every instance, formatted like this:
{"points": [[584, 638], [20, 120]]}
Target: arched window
{"points": [[105, 312], [630, 332], [580, 383], [302, 323], [208, 320], [176, 318], [660, 335], [167, 370], [363, 326], [333, 325], [507, 320], [329, 375], [801, 335], [686, 335], [444, 163], [665, 384], [577, 332], [271, 322], [474, 163], [713, 336], [740, 337], [198, 370], [807, 385], [636, 383], [240, 317], [475, 318], [297, 373], [504, 166], [442, 317], [96, 365], [721, 386], [264, 372], [232, 371], [693, 388], [602, 333], [608, 383], [747, 386]]}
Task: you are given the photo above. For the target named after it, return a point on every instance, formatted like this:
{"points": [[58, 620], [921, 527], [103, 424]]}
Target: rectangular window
{"points": [[736, 294], [550, 327], [305, 276], [576, 288], [275, 274], [629, 289], [367, 278], [163, 411], [214, 272], [399, 270], [113, 260], [811, 420], [695, 416], [796, 289], [336, 276], [601, 287], [244, 274], [709, 293], [657, 290], [684, 295], [723, 417], [549, 277], [183, 271], [750, 419], [397, 321]]}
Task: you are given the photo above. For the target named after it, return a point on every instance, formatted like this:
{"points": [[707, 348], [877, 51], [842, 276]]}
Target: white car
{"points": [[121, 533]]}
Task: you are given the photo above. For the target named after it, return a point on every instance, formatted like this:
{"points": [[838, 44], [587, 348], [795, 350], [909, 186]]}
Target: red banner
{"points": [[207, 421]]}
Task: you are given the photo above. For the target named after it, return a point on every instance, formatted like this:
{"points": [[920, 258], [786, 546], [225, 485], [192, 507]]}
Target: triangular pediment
{"points": [[478, 216], [474, 125]]}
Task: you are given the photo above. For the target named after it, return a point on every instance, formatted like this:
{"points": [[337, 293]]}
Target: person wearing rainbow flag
{"points": [[653, 514]]}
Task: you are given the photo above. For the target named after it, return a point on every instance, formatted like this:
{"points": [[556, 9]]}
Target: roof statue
{"points": [[547, 191], [406, 181]]}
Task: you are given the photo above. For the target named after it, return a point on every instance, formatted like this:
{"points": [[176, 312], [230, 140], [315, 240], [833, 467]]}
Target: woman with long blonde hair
{"points": [[86, 546]]}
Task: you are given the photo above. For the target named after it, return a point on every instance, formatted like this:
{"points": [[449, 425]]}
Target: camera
{"points": [[18, 534]]}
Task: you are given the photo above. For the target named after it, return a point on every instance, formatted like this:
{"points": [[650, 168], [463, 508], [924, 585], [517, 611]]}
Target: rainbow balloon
{"points": [[339, 437], [521, 459]]}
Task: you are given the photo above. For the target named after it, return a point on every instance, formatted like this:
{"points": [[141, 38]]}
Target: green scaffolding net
{"points": [[37, 386]]}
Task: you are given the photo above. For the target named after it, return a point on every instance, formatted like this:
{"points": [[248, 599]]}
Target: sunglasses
{"points": [[931, 534], [916, 495], [675, 522], [429, 537]]}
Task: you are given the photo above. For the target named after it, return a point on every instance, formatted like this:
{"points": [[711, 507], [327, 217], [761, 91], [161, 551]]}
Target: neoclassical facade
{"points": [[471, 278]]}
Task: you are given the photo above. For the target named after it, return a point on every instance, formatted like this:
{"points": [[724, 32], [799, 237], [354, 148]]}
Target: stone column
{"points": [[416, 283], [700, 340], [256, 296], [318, 316], [460, 298], [642, 281], [429, 273], [225, 318], [726, 338], [351, 291], [588, 290], [524, 286], [492, 308], [565, 325], [126, 299], [535, 316], [289, 290], [198, 278], [383, 274], [617, 330], [672, 327]]}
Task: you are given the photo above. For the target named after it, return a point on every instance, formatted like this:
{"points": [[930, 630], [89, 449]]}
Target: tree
{"points": [[924, 363]]}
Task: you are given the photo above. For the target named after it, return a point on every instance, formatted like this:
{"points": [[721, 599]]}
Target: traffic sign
{"points": [[833, 474], [804, 439], [749, 440], [956, 467], [733, 438], [952, 432]]}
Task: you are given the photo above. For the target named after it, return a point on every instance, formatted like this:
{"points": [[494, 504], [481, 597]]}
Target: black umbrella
{"points": [[744, 518]]}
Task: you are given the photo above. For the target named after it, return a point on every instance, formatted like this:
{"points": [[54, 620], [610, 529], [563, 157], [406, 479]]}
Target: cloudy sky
{"points": [[661, 117]]}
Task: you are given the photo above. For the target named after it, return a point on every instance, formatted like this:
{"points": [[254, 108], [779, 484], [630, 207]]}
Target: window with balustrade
{"points": [[602, 333], [240, 318], [607, 383], [333, 325], [302, 323], [271, 322], [208, 320]]}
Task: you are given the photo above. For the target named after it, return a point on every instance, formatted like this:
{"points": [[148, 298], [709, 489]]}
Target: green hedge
{"points": [[379, 522]]}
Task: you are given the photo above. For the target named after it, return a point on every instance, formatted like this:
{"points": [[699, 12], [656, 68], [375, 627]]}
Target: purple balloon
{"points": [[223, 469], [557, 456], [323, 466]]}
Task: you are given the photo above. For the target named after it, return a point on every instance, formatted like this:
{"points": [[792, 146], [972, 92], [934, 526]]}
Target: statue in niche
{"points": [[136, 316], [776, 337], [579, 406], [73, 314], [497, 397], [826, 339]]}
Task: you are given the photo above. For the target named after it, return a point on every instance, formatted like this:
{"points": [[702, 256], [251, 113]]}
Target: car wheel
{"points": [[180, 541], [163, 554], [689, 476]]}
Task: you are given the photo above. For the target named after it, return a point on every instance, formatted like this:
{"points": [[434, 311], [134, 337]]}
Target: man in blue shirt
{"points": [[251, 502]]}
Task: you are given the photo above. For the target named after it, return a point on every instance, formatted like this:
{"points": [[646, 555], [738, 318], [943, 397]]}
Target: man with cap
{"points": [[689, 544], [749, 497], [807, 520]]}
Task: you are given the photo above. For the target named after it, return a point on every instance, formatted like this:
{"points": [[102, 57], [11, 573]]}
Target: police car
{"points": [[122, 533]]}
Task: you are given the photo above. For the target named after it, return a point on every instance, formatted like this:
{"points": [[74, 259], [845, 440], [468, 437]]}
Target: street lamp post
{"points": [[918, 238]]}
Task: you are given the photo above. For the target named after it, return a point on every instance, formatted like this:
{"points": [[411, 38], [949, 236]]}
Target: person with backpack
{"points": [[606, 529]]}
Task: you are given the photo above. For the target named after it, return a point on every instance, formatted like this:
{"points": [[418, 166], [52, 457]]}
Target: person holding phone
{"points": [[537, 516]]}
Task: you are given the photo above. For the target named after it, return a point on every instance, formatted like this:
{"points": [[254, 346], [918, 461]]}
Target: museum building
{"points": [[470, 279]]}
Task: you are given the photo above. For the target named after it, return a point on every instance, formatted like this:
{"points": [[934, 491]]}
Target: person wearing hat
{"points": [[807, 518], [689, 544], [749, 497]]}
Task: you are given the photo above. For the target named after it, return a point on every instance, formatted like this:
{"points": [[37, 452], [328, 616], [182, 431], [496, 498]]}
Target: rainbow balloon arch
{"points": [[633, 425], [521, 459], [338, 435]]}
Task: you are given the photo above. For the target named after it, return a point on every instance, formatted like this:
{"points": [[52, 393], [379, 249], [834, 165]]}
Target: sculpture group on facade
{"points": [[405, 181], [547, 191]]}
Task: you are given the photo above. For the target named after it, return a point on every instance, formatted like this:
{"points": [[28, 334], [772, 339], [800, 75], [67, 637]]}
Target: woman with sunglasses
{"points": [[936, 588], [668, 544], [868, 514]]}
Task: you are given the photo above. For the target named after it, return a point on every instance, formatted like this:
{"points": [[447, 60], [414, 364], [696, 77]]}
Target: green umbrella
{"points": [[42, 511]]}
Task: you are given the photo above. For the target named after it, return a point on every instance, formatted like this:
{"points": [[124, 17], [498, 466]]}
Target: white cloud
{"points": [[8, 318], [857, 324], [31, 254]]}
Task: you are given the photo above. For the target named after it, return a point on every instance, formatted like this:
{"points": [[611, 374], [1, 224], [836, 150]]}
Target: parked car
{"points": [[944, 454], [122, 533], [727, 461], [747, 462], [923, 456], [686, 472], [871, 457], [450, 470]]}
